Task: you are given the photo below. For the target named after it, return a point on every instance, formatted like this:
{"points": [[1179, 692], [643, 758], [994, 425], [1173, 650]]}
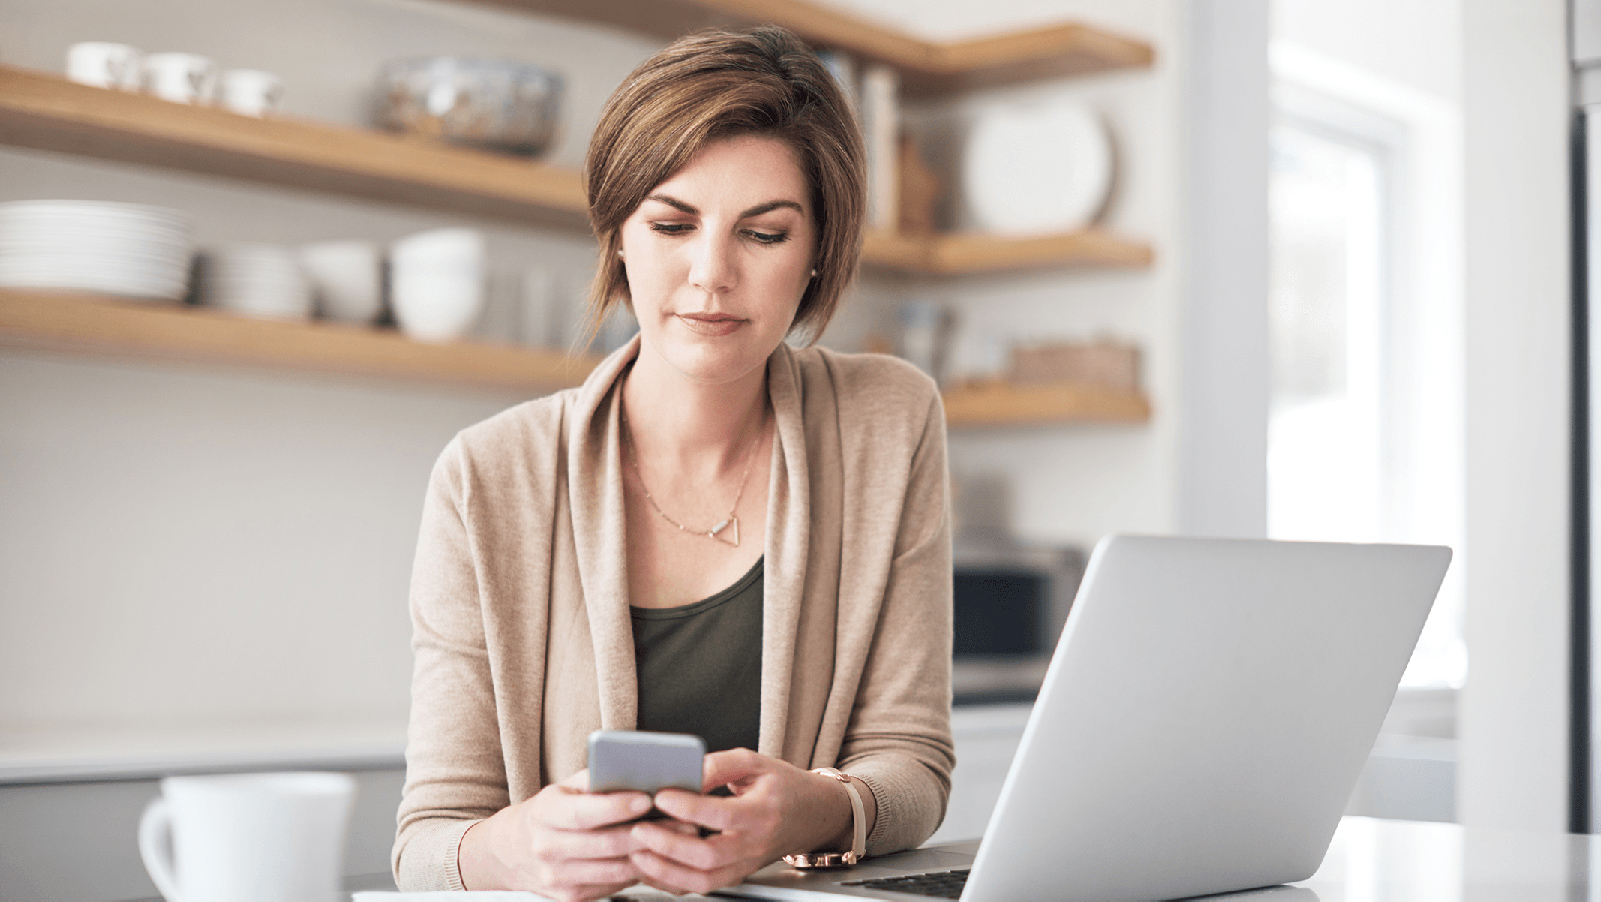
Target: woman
{"points": [[714, 534]]}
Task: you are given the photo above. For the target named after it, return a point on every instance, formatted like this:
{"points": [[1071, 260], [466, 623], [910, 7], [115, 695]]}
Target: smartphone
{"points": [[644, 761]]}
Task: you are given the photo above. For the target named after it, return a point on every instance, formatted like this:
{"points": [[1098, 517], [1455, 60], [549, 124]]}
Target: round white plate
{"points": [[1037, 168]]}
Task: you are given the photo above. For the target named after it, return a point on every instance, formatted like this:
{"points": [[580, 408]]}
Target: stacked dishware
{"points": [[264, 280], [347, 277], [437, 282], [128, 250]]}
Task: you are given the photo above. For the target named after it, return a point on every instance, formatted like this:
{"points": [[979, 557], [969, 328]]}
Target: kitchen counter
{"points": [[60, 756], [1372, 860], [1006, 680]]}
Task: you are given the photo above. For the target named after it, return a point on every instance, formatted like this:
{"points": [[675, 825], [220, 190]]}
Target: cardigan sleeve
{"points": [[455, 775], [899, 741]]}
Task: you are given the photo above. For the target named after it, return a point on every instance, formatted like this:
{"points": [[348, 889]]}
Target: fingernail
{"points": [[640, 805]]}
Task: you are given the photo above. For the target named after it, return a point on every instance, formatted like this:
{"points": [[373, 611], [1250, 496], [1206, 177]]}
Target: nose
{"points": [[714, 269]]}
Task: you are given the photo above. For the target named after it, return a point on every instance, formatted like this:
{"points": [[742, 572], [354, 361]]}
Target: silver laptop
{"points": [[1207, 712]]}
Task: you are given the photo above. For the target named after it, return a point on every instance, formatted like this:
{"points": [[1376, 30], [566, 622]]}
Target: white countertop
{"points": [[1375, 860], [60, 755]]}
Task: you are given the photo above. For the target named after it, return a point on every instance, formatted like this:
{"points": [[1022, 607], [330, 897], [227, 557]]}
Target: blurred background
{"points": [[1292, 268]]}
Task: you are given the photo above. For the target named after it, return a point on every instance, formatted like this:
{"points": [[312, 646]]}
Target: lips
{"points": [[712, 324]]}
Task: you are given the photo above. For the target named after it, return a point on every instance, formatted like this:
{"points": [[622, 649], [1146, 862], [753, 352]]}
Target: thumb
{"points": [[733, 766]]}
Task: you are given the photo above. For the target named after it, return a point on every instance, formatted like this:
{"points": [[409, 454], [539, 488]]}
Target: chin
{"points": [[714, 363]]}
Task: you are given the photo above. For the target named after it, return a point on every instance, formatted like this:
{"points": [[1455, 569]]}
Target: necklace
{"points": [[729, 523]]}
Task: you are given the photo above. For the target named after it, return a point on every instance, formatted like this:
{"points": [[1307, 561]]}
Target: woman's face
{"points": [[718, 256]]}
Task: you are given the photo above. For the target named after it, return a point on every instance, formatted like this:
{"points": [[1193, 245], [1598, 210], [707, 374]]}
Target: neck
{"points": [[692, 425]]}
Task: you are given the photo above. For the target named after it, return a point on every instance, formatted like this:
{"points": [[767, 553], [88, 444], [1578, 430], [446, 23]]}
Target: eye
{"points": [[768, 237], [670, 228]]}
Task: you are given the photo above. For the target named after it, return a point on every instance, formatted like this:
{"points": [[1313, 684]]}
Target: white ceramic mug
{"points": [[437, 283], [104, 65], [248, 837], [250, 92], [180, 77], [346, 275]]}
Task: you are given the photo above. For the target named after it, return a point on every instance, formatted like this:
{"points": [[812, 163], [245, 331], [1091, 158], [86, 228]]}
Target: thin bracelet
{"points": [[821, 860]]}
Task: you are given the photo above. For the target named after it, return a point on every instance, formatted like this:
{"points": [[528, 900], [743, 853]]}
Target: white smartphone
{"points": [[644, 762]]}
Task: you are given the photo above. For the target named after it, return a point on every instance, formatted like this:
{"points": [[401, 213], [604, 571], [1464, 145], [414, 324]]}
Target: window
{"points": [[1364, 434]]}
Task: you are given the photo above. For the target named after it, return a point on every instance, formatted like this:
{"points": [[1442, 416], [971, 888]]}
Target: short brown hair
{"points": [[718, 84]]}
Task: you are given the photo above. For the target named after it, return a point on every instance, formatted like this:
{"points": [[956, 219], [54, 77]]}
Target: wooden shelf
{"points": [[926, 67], [142, 330], [965, 253], [1000, 404], [58, 321], [47, 112]]}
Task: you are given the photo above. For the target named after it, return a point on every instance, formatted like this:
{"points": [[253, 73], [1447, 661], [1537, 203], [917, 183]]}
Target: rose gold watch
{"points": [[821, 860]]}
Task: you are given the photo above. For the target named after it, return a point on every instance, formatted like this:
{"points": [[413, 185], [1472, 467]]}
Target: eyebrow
{"points": [[757, 210]]}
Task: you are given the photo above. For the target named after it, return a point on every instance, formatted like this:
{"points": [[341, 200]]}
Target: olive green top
{"points": [[700, 665]]}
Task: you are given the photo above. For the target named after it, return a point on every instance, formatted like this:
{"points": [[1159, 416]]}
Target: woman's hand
{"points": [[777, 809], [563, 843]]}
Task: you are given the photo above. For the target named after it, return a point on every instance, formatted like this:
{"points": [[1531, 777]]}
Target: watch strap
{"points": [[819, 860]]}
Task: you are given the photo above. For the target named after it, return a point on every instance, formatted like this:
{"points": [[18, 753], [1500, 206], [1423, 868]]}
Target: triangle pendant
{"points": [[731, 525]]}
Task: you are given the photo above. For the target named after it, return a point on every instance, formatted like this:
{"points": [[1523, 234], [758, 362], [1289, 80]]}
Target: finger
{"points": [[701, 854], [568, 809], [718, 813], [580, 845], [680, 827], [663, 870], [578, 781], [731, 766]]}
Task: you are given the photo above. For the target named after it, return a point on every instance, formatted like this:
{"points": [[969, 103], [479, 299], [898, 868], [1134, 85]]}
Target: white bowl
{"points": [[437, 246], [436, 306]]}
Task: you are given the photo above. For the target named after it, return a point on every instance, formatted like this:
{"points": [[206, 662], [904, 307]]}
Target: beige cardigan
{"points": [[519, 601]]}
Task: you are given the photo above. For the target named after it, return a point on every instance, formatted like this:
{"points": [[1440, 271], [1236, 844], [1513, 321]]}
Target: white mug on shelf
{"points": [[180, 77], [248, 837], [347, 279], [437, 283], [250, 92], [104, 65]]}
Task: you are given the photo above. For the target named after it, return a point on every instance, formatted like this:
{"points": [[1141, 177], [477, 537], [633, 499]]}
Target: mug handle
{"points": [[155, 847]]}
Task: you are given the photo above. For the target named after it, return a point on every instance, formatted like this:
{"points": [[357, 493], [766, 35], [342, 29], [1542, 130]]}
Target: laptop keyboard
{"points": [[939, 884]]}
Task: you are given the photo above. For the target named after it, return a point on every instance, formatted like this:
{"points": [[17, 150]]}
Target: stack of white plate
{"points": [[257, 280], [130, 250]]}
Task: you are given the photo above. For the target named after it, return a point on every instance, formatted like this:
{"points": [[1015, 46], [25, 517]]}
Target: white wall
{"points": [[1199, 466], [187, 547], [194, 550], [1222, 460], [1514, 765], [1502, 64], [1414, 43]]}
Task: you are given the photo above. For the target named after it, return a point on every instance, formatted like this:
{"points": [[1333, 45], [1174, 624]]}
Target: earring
{"points": [[814, 273], [619, 253]]}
